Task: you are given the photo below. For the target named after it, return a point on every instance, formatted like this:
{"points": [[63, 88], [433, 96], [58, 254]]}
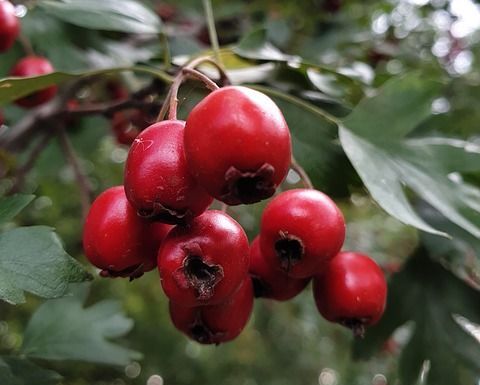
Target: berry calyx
{"points": [[205, 261], [237, 145], [217, 323], [116, 240], [270, 282], [157, 179], [300, 231], [34, 66], [9, 25], [352, 291]]}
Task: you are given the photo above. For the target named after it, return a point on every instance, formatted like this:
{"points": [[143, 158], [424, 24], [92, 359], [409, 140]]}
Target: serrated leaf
{"points": [[19, 371], [10, 206], [63, 329], [112, 15], [14, 88], [32, 259], [387, 162], [453, 354]]}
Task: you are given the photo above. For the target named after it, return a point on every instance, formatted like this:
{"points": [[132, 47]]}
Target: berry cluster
{"points": [[30, 65], [234, 147], [124, 123]]}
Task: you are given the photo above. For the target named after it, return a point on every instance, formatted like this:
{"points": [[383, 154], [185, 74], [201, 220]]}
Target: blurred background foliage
{"points": [[327, 53]]}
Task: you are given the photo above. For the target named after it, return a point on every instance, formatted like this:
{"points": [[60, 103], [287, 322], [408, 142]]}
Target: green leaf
{"points": [[14, 88], [112, 15], [455, 155], [63, 329], [32, 259], [400, 106], [19, 371], [256, 46], [439, 332], [331, 82], [387, 162], [10, 206]]}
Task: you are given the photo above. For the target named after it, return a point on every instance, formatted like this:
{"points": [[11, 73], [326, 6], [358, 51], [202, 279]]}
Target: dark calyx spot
{"points": [[133, 272], [260, 288], [201, 333], [201, 276], [245, 187], [357, 325], [165, 214], [289, 250]]}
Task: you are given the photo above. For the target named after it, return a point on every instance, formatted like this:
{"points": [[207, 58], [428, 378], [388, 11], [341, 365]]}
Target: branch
{"points": [[22, 172], [48, 115], [295, 166], [82, 180]]}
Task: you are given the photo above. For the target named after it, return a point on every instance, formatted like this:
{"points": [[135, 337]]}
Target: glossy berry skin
{"points": [[116, 240], [157, 179], [270, 282], [217, 323], [34, 66], [352, 291], [9, 25], [205, 261], [300, 231], [237, 145]]}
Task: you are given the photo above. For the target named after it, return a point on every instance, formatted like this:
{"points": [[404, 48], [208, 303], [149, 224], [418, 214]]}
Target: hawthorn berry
{"points": [[216, 323], [9, 25], [116, 90], [116, 240], [237, 145], [157, 179], [351, 291], [204, 262], [300, 231], [126, 126], [268, 281], [34, 66]]}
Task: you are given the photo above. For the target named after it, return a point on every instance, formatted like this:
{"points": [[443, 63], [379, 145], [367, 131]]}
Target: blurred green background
{"points": [[367, 41]]}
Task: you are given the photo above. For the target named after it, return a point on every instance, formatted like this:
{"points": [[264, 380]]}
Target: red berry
{"points": [[167, 12], [157, 180], [72, 104], [237, 145], [116, 90], [301, 230], [116, 240], [9, 25], [126, 125], [123, 128], [269, 282], [34, 66], [217, 323], [351, 291], [2, 118], [126, 137], [204, 262]]}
